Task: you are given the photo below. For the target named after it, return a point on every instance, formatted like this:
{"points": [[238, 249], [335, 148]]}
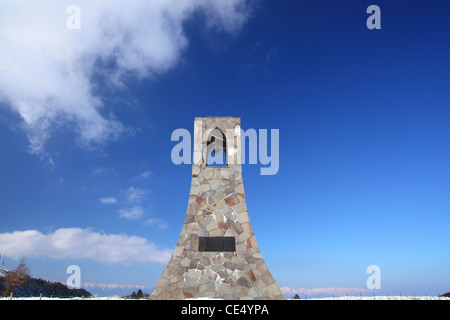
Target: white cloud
{"points": [[108, 200], [76, 243], [135, 195], [48, 71], [323, 291], [135, 212], [102, 170], [145, 174], [133, 203], [158, 223]]}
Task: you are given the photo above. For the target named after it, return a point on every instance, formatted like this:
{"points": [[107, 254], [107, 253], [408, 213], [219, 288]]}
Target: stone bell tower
{"points": [[217, 255]]}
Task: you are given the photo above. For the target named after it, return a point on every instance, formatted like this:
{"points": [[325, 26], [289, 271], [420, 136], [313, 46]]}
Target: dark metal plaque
{"points": [[217, 244]]}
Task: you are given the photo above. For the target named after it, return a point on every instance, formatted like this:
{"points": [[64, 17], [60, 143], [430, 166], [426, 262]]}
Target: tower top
{"points": [[217, 133]]}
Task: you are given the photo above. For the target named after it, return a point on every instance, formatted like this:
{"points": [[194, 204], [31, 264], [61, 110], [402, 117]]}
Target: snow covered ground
{"points": [[327, 298], [48, 298], [383, 298]]}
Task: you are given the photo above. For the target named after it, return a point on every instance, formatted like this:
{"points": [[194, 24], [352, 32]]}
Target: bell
{"points": [[217, 150]]}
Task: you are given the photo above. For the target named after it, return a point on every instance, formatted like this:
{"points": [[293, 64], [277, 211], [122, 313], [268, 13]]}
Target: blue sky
{"points": [[86, 118]]}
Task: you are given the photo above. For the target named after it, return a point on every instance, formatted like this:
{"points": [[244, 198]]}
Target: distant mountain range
{"points": [[36, 287]]}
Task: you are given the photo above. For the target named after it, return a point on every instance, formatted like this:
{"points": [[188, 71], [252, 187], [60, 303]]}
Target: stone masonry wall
{"points": [[216, 208]]}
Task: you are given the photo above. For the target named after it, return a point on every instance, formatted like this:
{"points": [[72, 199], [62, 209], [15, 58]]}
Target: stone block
{"points": [[225, 173], [241, 249], [223, 226], [238, 227], [239, 188], [198, 200], [241, 291], [195, 170], [226, 289], [267, 279], [202, 288], [202, 232], [164, 282], [193, 273], [247, 228], [229, 200], [210, 294], [240, 207], [272, 291], [230, 233], [250, 275], [256, 254], [211, 225], [185, 262], [243, 217], [208, 173], [192, 208], [243, 237], [188, 295], [217, 232], [177, 251], [253, 242], [263, 268], [214, 184]]}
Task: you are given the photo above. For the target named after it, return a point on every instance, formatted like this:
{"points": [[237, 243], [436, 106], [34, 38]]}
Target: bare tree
{"points": [[16, 277]]}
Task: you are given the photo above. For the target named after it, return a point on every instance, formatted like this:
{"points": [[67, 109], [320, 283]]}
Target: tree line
{"points": [[18, 282]]}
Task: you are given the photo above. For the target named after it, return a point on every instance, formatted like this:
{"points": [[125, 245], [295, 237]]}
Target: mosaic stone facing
{"points": [[217, 208]]}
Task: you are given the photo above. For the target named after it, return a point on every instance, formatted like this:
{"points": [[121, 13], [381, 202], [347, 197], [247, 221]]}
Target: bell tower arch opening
{"points": [[216, 148]]}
